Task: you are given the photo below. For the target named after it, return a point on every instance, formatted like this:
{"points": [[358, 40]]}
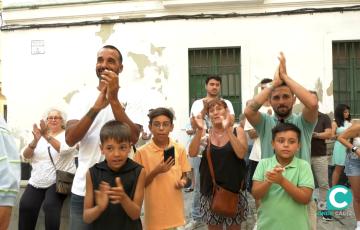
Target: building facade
{"points": [[48, 50]]}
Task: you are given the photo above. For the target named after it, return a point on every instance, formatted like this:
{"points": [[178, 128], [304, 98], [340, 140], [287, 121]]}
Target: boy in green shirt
{"points": [[283, 183]]}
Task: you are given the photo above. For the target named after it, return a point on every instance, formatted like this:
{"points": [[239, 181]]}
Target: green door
{"points": [[346, 75], [224, 62]]}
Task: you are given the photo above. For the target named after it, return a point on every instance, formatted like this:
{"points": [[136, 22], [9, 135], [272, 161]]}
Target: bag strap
{"points": [[209, 160], [52, 161]]}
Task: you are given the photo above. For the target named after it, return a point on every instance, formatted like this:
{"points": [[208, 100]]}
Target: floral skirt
{"points": [[211, 218]]}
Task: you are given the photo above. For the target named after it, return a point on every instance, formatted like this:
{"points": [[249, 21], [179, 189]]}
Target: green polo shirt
{"points": [[264, 127], [278, 210]]}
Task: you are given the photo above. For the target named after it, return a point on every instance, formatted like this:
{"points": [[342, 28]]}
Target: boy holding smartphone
{"points": [[164, 202]]}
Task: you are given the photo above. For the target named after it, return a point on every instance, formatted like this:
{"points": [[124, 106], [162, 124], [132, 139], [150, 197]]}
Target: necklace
{"points": [[219, 135]]}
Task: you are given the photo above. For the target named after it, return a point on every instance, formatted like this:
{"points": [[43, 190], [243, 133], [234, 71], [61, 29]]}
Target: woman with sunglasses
{"points": [[48, 138]]}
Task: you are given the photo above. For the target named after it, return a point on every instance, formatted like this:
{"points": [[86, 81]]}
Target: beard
{"points": [[282, 111]]}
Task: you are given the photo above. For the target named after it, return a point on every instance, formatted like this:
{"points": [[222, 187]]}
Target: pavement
{"points": [[344, 220]]}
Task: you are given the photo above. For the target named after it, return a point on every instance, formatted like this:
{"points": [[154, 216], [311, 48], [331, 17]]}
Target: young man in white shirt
{"points": [[89, 110]]}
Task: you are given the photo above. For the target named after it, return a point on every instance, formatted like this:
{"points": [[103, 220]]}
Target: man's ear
{"points": [[101, 148]]}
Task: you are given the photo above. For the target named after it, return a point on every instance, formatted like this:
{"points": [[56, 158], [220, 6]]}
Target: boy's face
{"points": [[160, 127], [286, 144], [115, 153]]}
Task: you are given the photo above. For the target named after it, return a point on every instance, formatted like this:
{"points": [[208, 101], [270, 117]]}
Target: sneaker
{"points": [[193, 225], [327, 217]]}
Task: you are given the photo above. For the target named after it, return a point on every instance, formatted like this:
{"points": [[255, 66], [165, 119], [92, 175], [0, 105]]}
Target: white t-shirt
{"points": [[43, 171], [89, 150], [255, 154]]}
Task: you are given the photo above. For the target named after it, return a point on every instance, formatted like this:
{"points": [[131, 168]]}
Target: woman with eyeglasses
{"points": [[48, 138]]}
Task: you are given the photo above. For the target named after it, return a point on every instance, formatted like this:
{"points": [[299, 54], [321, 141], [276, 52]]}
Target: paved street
{"points": [[339, 223]]}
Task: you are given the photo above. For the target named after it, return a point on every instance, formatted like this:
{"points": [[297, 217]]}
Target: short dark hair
{"points": [[116, 130], [160, 111], [215, 77], [283, 127], [265, 80], [114, 48]]}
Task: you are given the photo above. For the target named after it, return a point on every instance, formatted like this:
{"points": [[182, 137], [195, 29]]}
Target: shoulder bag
{"points": [[224, 202], [64, 179]]}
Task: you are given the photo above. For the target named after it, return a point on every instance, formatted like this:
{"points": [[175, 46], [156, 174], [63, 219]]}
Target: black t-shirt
{"points": [[228, 168], [318, 146], [114, 216]]}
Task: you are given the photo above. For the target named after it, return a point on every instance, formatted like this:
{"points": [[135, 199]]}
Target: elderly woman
{"points": [[228, 147], [49, 138]]}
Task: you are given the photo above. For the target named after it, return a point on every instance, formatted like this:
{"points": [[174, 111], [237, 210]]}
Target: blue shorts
{"points": [[352, 165]]}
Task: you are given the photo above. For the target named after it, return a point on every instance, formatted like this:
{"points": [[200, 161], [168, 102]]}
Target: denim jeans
{"points": [[76, 213], [195, 212]]}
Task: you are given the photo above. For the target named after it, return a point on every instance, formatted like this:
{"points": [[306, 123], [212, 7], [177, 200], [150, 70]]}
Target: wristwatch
{"points": [[354, 148]]}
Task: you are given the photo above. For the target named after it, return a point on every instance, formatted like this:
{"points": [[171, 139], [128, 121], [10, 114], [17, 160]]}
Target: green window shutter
{"points": [[346, 75], [224, 62]]}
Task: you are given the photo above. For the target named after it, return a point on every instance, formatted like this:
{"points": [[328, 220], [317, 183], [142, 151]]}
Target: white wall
{"points": [[32, 83]]}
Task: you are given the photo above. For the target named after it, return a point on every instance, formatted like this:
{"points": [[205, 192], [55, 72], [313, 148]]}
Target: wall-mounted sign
{"points": [[37, 47]]}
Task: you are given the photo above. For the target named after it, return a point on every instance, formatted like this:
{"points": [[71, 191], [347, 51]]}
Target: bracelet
{"points": [[354, 148], [31, 146]]}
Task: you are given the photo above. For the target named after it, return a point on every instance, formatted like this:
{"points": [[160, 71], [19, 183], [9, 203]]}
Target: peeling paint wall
{"points": [[156, 58]]}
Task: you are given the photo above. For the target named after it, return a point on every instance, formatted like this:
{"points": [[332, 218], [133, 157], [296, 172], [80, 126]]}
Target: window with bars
{"points": [[224, 62], [346, 75]]}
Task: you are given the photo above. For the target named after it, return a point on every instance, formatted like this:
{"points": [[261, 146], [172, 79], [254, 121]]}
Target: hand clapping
{"points": [[275, 175]]}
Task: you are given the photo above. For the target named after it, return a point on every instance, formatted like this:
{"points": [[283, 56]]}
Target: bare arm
{"points": [[76, 129], [239, 142], [323, 135], [260, 189], [310, 111], [162, 167], [351, 132], [252, 133], [133, 207], [198, 125], [93, 211], [333, 129], [111, 80]]}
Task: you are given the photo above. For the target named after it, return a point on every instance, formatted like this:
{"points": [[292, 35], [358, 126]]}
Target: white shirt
{"points": [[89, 150], [43, 171], [255, 154]]}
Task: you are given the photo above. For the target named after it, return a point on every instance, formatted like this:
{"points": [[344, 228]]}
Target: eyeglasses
{"points": [[53, 118], [164, 125]]}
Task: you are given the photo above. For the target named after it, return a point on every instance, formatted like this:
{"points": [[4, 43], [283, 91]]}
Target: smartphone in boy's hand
{"points": [[169, 152]]}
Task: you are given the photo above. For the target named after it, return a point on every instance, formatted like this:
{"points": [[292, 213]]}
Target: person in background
{"points": [[228, 147], [350, 138], [48, 138], [164, 202], [255, 154], [115, 186], [341, 123], [10, 174], [319, 161]]}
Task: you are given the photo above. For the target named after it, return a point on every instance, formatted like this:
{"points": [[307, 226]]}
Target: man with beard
{"points": [[90, 109], [282, 93]]}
